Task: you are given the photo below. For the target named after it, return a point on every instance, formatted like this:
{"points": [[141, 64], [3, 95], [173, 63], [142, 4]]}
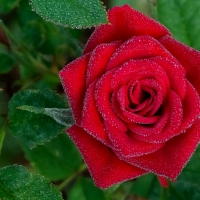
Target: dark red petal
{"points": [[132, 117], [170, 160], [127, 146], [155, 128], [73, 81], [174, 121], [92, 121], [147, 105], [98, 60], [138, 70], [125, 22], [158, 100], [104, 166], [176, 78], [140, 47], [103, 101], [191, 107], [187, 56]]}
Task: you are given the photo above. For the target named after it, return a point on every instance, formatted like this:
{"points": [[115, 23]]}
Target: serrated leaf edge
{"points": [[73, 27], [52, 186]]}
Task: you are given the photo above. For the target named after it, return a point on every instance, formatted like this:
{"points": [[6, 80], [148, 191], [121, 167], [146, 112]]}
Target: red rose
{"points": [[134, 95]]}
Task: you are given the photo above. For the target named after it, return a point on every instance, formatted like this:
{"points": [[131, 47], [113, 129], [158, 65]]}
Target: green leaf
{"points": [[187, 185], [182, 19], [33, 34], [55, 160], [61, 115], [10, 153], [84, 189], [184, 191], [31, 128], [6, 63], [7, 5], [140, 5], [76, 13], [16, 182], [113, 188], [153, 9], [142, 185]]}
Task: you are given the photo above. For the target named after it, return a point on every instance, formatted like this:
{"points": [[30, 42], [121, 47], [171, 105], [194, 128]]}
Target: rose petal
{"points": [[139, 47], [125, 22], [138, 70], [103, 101], [158, 100], [104, 166], [187, 56], [92, 121], [175, 76], [191, 107], [132, 117], [174, 121], [155, 128], [127, 146], [170, 160], [73, 81], [98, 60]]}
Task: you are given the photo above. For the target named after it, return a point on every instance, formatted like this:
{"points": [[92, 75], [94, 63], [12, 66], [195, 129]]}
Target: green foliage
{"points": [[84, 189], [16, 182], [140, 5], [31, 128], [182, 19], [78, 14], [57, 159], [33, 34], [3, 102], [7, 5], [187, 185], [142, 186], [6, 63]]}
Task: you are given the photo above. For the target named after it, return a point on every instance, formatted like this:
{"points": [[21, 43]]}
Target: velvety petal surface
{"points": [[92, 121], [187, 56], [140, 69], [99, 59], [105, 167], [176, 78], [140, 47], [73, 81], [174, 121], [103, 101], [170, 160], [125, 22], [128, 146]]}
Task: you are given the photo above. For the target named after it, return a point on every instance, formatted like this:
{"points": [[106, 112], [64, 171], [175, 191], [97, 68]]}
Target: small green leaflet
{"points": [[16, 182], [182, 19], [72, 13], [34, 129]]}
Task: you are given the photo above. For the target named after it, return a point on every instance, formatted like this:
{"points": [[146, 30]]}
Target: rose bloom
{"points": [[134, 95]]}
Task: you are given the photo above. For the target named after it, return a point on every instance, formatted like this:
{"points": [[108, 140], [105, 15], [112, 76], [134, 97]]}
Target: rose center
{"points": [[137, 95]]}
